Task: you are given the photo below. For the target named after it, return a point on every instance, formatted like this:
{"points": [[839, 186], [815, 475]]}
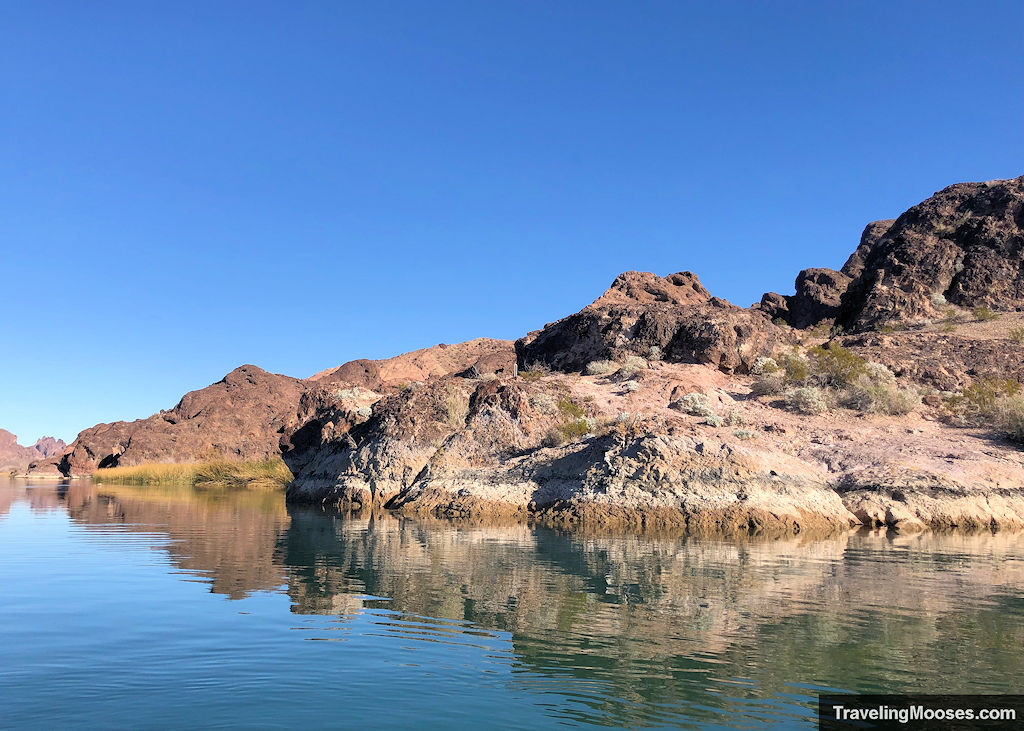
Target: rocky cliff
{"points": [[964, 246]]}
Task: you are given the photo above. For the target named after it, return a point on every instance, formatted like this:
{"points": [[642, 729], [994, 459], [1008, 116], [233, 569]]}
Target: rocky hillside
{"points": [[13, 456], [886, 393], [244, 415], [661, 405]]}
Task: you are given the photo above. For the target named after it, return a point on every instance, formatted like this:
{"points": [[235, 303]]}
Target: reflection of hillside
{"points": [[228, 536], [686, 615], [628, 627]]}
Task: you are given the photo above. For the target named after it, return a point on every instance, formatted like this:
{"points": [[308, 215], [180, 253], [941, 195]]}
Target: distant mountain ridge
{"points": [[14, 456]]}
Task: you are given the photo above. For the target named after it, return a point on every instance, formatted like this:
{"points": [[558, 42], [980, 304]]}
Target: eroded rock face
{"points": [[965, 243], [641, 311]]}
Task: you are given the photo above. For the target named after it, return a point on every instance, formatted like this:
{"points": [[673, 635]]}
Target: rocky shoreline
{"points": [[887, 393]]}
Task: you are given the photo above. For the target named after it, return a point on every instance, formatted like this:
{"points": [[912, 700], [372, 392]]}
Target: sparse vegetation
{"points": [[984, 314], [1017, 335], [744, 434], [994, 402], [600, 367], [632, 366], [764, 366], [631, 386], [574, 424], [806, 400], [835, 366], [270, 473], [714, 420], [938, 300], [456, 407], [695, 404], [735, 418], [655, 353], [533, 372], [877, 392]]}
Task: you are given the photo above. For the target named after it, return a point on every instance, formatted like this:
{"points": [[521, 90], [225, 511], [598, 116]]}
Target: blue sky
{"points": [[186, 187]]}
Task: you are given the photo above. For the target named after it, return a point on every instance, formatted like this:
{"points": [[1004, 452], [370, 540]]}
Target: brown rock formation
{"points": [[244, 415], [641, 311], [964, 246], [13, 456], [238, 417]]}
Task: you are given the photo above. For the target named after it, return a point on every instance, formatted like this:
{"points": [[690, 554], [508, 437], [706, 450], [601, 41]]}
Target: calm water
{"points": [[132, 607]]}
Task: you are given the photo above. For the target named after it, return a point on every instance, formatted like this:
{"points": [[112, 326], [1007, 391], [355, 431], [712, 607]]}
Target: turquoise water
{"points": [[155, 608]]}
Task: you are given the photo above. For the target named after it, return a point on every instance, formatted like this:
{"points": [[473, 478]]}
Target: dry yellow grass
{"points": [[270, 474]]}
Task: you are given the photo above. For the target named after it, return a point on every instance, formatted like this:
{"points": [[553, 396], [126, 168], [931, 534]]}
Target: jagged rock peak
{"points": [[681, 288]]}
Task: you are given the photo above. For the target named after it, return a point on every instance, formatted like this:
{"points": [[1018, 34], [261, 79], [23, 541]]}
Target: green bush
{"points": [[835, 366], [984, 314], [806, 400], [569, 409]]}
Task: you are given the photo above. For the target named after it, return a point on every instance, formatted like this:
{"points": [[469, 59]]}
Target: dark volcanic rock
{"points": [[965, 243], [818, 296], [871, 235], [642, 311]]}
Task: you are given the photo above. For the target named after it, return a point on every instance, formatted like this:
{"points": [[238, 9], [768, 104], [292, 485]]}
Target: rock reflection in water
{"points": [[631, 629]]}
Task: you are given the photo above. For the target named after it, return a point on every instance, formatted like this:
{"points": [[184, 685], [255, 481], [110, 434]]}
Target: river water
{"points": [[173, 607]]}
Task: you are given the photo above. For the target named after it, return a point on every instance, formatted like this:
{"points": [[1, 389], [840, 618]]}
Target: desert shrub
{"points": [[456, 407], [695, 404], [795, 367], [779, 322], [631, 386], [543, 403], [835, 366], [575, 429], [769, 385], [655, 353], [553, 438], [984, 314], [938, 300], [735, 418], [714, 420], [743, 434], [364, 412], [600, 367], [532, 373], [1009, 416], [1017, 335], [806, 400], [633, 365], [836, 330], [876, 391], [569, 409], [764, 366]]}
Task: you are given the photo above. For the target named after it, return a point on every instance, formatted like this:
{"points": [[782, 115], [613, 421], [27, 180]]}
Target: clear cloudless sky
{"points": [[189, 186]]}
